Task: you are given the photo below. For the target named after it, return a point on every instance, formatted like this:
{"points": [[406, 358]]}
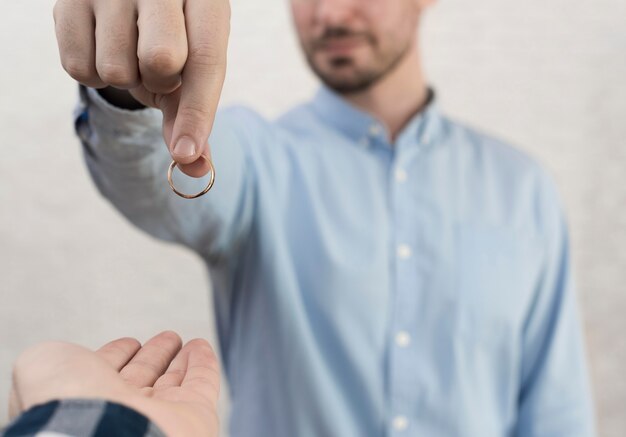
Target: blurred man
{"points": [[378, 269], [123, 389]]}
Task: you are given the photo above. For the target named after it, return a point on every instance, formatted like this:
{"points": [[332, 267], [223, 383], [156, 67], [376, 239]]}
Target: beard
{"points": [[343, 75]]}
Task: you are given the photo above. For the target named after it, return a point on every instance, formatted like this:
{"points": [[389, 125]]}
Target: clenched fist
{"points": [[168, 54]]}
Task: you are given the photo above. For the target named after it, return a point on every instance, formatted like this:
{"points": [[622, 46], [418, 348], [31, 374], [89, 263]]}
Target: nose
{"points": [[334, 12]]}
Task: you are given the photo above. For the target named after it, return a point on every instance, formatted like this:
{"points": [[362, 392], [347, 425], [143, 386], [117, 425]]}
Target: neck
{"points": [[397, 97]]}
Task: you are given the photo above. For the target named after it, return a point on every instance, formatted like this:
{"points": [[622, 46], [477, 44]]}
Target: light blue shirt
{"points": [[363, 288]]}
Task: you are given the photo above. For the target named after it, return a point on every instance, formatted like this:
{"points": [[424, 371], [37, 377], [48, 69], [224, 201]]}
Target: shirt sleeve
{"points": [[82, 418], [128, 160], [555, 396]]}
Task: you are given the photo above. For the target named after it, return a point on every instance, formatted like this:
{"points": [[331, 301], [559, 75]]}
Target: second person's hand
{"points": [[175, 387], [169, 54]]}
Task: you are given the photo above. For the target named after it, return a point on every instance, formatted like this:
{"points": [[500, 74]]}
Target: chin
{"points": [[343, 74], [338, 66], [344, 84], [336, 76]]}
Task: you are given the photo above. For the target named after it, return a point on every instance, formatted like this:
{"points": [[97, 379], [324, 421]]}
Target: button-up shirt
{"points": [[364, 287]]}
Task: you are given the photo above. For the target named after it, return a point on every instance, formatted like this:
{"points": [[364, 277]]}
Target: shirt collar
{"points": [[360, 126]]}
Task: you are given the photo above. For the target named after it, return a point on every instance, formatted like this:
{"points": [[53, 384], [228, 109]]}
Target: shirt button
{"points": [[401, 175], [374, 130], [404, 251], [403, 339], [400, 423]]}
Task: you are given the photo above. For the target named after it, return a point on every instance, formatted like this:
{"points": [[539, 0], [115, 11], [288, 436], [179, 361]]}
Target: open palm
{"points": [[177, 387]]}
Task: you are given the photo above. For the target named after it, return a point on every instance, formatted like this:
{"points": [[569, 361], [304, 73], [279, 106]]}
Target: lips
{"points": [[340, 45]]}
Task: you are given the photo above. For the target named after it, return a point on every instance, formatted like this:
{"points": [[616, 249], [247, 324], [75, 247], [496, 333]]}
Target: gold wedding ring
{"points": [[191, 196]]}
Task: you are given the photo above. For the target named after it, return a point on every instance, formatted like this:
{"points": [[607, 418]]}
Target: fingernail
{"points": [[185, 147]]}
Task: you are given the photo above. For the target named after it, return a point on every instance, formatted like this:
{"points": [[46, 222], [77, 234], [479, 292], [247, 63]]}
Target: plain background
{"points": [[548, 76]]}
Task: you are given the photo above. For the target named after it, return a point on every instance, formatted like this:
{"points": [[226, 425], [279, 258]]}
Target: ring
{"points": [[191, 196]]}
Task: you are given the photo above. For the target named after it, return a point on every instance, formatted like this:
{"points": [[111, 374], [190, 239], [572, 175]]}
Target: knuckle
{"points": [[58, 9], [78, 69], [162, 60], [116, 74], [55, 11]]}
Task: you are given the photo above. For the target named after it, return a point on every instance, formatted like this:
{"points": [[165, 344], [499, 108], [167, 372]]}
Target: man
{"points": [[378, 269], [122, 389]]}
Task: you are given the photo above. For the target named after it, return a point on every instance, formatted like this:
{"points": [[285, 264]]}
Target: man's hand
{"points": [[169, 54], [176, 388]]}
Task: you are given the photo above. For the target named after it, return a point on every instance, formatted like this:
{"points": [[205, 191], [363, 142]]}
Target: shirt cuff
{"points": [[82, 418], [116, 134], [127, 115], [115, 120]]}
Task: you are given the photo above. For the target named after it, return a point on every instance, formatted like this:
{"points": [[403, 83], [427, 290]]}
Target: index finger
{"points": [[202, 375], [208, 26]]}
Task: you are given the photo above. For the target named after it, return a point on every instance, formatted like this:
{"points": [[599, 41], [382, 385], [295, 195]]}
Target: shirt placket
{"points": [[402, 363]]}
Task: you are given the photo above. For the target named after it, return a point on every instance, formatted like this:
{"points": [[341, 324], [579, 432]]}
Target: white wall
{"points": [[548, 76]]}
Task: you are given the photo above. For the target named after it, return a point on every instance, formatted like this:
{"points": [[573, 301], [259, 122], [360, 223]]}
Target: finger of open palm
{"points": [[119, 352], [151, 361], [178, 368], [202, 375]]}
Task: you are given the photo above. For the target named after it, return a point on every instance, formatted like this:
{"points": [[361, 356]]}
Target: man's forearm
{"points": [[120, 98]]}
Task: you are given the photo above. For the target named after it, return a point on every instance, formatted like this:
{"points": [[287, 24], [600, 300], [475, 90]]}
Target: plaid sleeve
{"points": [[81, 418]]}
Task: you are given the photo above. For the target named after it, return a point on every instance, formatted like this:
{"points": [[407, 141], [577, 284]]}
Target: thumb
{"points": [[207, 25], [168, 104], [189, 164]]}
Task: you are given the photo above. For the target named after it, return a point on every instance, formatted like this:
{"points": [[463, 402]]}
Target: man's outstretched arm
{"points": [[170, 58]]}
